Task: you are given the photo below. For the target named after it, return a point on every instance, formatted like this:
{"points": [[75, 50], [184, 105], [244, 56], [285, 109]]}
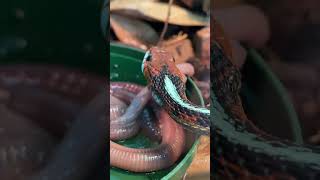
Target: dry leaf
{"points": [[180, 47], [158, 11], [133, 32], [137, 28]]}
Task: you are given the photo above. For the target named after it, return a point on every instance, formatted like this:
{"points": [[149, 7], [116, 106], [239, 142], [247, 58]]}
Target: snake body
{"points": [[241, 147], [167, 84]]}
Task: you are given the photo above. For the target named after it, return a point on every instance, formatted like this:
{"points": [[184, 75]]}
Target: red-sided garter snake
{"points": [[240, 146], [167, 85]]}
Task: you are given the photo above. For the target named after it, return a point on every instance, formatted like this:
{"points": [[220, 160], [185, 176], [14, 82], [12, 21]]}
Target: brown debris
{"points": [[133, 32]]}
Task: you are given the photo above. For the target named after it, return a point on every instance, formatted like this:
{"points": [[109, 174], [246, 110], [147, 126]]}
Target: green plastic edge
{"points": [[294, 123]]}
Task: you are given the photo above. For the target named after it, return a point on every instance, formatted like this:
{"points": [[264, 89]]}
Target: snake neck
{"points": [[168, 91], [227, 85]]}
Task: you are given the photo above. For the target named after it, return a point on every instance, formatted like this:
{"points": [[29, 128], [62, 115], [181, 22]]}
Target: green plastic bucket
{"points": [[125, 65], [266, 100]]}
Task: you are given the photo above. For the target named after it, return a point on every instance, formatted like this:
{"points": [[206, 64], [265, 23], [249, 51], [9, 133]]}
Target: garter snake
{"points": [[168, 89], [238, 145]]}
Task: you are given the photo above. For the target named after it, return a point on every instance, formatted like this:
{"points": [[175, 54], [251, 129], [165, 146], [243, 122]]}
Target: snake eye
{"points": [[147, 56]]}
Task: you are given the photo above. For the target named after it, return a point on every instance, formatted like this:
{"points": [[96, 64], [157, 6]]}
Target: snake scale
{"points": [[241, 148]]}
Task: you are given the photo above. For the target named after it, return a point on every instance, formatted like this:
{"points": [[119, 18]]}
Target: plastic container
{"points": [[266, 100], [125, 65]]}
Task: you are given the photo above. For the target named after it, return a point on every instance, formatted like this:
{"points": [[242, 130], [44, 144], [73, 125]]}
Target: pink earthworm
{"points": [[50, 111], [117, 107], [127, 92], [82, 144], [151, 159], [126, 125], [186, 68], [80, 149], [145, 121]]}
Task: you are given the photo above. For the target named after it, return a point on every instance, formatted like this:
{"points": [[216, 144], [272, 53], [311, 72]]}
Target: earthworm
{"points": [[145, 121], [151, 159], [127, 92], [89, 125], [117, 107], [126, 125], [186, 68], [50, 111]]}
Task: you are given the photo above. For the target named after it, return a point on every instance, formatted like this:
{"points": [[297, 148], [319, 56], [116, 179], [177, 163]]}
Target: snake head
{"points": [[157, 62]]}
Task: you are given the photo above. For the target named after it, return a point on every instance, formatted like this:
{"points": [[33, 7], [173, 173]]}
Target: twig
{"points": [[165, 27]]}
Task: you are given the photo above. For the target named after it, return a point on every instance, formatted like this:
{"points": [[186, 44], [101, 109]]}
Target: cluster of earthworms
{"points": [[129, 113]]}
